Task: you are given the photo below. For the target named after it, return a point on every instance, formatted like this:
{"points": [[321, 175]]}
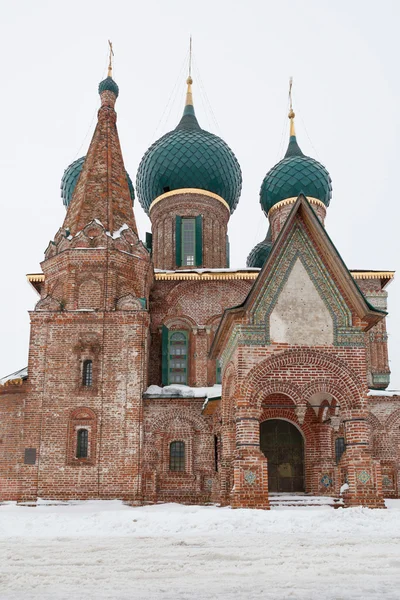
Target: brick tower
{"points": [[89, 335]]}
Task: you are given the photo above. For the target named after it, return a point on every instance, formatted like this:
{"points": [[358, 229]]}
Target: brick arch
{"points": [[280, 386], [184, 321], [197, 423], [214, 320], [393, 420], [326, 385], [374, 422], [322, 361], [231, 292], [82, 413]]}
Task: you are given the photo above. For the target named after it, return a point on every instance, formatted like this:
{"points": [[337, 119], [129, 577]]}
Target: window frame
{"points": [[171, 333], [87, 377], [197, 240], [179, 460], [79, 445], [340, 448], [183, 221]]}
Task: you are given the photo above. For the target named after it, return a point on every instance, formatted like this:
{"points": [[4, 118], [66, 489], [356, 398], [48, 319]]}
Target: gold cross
{"points": [[110, 59]]}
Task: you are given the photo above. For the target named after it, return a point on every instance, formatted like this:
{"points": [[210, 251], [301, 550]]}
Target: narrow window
{"points": [[82, 439], [340, 447], [188, 242], [216, 457], [87, 373], [218, 373], [177, 357], [177, 456]]}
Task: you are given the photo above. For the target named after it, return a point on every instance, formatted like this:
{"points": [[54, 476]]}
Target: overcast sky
{"points": [[343, 56]]}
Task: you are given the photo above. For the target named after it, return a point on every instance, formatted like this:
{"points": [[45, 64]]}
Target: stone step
{"points": [[303, 500]]}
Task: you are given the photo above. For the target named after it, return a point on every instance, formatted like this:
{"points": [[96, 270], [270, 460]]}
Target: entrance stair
{"points": [[301, 500]]}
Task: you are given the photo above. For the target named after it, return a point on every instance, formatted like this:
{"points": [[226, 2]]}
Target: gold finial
{"points": [[110, 59], [189, 80], [291, 112]]}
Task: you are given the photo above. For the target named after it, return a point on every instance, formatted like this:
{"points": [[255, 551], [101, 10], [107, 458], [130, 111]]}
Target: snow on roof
{"points": [[21, 374], [177, 390], [387, 393]]}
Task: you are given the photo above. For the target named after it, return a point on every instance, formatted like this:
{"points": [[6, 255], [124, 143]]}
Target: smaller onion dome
{"points": [[108, 84], [258, 256], [70, 178], [295, 174]]}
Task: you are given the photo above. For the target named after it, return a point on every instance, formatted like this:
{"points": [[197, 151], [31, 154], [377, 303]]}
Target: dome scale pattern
{"points": [[258, 256], [189, 157], [293, 175]]}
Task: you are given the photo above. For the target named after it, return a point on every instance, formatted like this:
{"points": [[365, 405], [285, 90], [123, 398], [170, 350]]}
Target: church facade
{"points": [[158, 374]]}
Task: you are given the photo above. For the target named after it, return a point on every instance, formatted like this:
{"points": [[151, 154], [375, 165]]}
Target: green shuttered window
{"points": [[189, 241], [175, 349]]}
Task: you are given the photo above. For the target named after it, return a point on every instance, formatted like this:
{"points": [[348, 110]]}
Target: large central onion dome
{"points": [[189, 157], [295, 174]]}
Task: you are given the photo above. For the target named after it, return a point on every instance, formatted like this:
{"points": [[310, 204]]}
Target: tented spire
{"points": [[102, 191]]}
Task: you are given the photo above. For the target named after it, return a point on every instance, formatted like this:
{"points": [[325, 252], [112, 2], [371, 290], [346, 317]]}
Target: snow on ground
{"points": [[106, 550]]}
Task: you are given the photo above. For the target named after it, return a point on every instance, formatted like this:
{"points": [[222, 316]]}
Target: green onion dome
{"points": [[108, 84], [189, 157], [260, 252], [70, 178], [295, 174]]}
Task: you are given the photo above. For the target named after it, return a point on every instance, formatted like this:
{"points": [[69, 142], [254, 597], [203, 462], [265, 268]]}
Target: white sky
{"points": [[343, 56]]}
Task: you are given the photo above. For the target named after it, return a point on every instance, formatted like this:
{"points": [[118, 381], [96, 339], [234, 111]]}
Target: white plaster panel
{"points": [[300, 315]]}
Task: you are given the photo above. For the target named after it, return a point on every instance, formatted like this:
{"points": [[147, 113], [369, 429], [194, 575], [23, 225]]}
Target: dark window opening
{"points": [[87, 373], [218, 373], [340, 447], [177, 456], [30, 456], [216, 457], [82, 445]]}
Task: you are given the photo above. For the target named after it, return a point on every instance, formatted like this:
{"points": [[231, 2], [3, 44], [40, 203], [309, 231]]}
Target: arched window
{"points": [[87, 373], [340, 447], [82, 445], [177, 357], [177, 456]]}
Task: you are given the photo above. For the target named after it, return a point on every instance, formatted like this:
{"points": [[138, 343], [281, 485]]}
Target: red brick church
{"points": [[157, 373]]}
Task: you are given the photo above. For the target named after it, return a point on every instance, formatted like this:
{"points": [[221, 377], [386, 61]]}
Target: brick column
{"points": [[250, 465], [324, 468], [363, 472]]}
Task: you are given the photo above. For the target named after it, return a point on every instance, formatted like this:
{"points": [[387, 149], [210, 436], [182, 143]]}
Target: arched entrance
{"points": [[283, 445]]}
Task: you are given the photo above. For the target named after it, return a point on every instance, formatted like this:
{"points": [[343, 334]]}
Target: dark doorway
{"points": [[282, 444]]}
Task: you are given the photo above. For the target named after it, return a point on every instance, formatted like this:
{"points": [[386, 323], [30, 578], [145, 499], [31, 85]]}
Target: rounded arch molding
{"points": [[166, 422], [339, 379]]}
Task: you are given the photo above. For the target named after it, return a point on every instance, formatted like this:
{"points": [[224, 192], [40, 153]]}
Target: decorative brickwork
{"points": [[297, 345], [215, 217]]}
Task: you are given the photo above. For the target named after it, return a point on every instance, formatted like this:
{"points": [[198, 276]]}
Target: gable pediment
{"points": [[299, 302], [303, 295]]}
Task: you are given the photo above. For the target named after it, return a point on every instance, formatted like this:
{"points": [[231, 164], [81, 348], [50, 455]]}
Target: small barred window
{"points": [[340, 447], [177, 456], [87, 373], [82, 445]]}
